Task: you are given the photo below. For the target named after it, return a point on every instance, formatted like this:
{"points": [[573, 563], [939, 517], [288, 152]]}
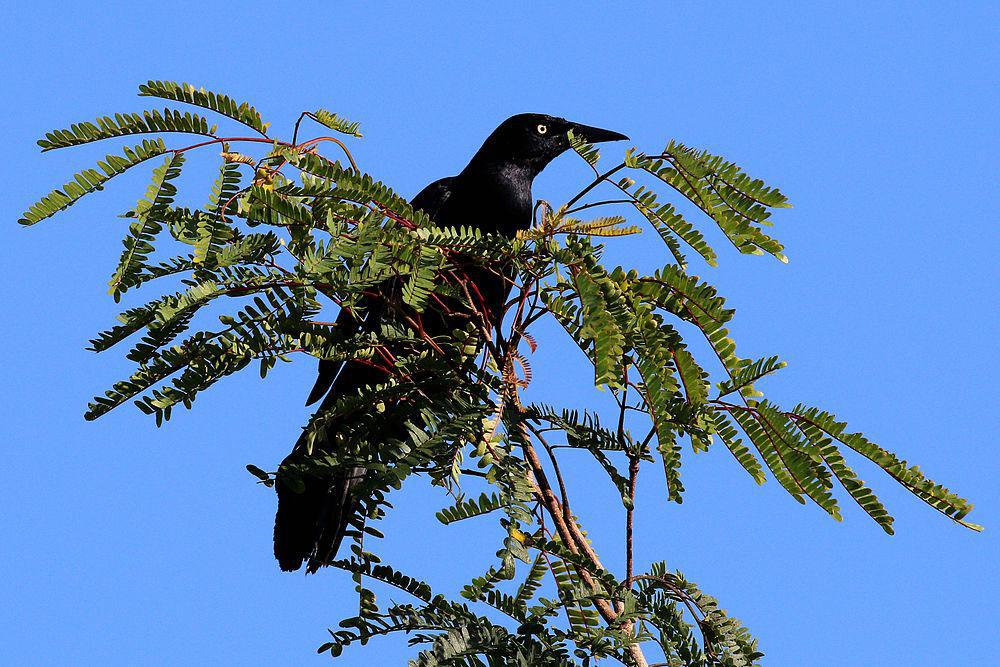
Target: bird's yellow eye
{"points": [[542, 129]]}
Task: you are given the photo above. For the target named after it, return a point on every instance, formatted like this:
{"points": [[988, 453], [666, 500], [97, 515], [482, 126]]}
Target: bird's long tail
{"points": [[312, 519], [315, 510]]}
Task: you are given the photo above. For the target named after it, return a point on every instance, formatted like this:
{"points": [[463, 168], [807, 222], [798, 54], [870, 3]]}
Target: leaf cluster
{"points": [[288, 233]]}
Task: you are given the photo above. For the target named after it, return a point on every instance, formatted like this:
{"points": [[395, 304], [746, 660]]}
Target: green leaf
{"points": [[142, 233], [730, 438], [421, 281], [221, 104], [585, 150], [764, 443], [106, 127], [604, 314], [91, 180], [738, 204], [798, 456], [387, 575], [336, 123], [470, 508], [655, 343], [747, 373], [211, 228], [668, 223], [910, 477], [532, 581], [864, 496]]}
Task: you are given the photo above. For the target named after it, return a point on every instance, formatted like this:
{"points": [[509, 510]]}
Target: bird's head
{"points": [[534, 140]]}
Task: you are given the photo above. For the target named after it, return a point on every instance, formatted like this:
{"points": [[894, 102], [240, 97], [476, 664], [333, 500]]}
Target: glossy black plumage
{"points": [[492, 193]]}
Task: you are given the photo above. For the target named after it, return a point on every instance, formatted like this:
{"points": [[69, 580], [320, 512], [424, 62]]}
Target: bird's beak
{"points": [[594, 135]]}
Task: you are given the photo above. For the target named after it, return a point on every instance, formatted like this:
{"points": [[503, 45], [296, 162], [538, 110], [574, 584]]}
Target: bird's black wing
{"points": [[329, 369], [430, 200]]}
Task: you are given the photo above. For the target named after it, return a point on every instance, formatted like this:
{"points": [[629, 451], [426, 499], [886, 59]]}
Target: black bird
{"points": [[492, 193]]}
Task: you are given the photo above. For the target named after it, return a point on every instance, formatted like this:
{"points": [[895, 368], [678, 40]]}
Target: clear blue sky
{"points": [[126, 544]]}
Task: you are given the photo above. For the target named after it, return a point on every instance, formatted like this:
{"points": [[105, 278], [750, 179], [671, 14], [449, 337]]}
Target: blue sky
{"points": [[129, 544]]}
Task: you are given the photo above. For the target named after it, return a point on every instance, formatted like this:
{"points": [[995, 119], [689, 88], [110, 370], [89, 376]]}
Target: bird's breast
{"points": [[498, 201]]}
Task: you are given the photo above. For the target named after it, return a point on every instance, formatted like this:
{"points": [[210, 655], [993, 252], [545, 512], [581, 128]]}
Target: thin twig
{"points": [[633, 477], [597, 181], [606, 202], [555, 466]]}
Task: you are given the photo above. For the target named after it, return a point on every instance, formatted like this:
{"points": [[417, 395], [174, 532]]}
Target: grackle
{"points": [[492, 193]]}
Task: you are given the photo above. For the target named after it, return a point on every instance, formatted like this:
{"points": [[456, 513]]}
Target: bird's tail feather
{"points": [[313, 519], [315, 510]]}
